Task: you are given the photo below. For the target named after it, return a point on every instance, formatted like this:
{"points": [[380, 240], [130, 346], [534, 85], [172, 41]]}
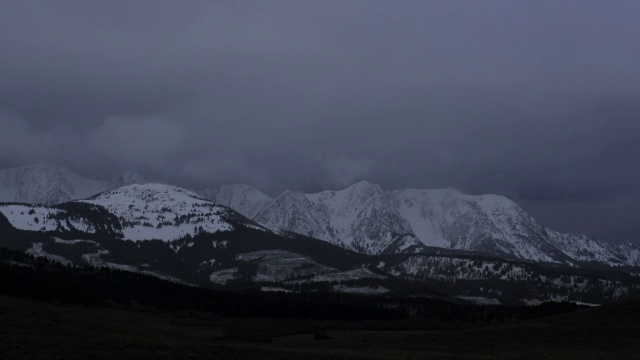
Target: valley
{"points": [[33, 329]]}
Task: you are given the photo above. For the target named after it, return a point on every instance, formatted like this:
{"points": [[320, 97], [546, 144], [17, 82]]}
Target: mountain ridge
{"points": [[164, 212], [46, 183], [362, 217], [172, 233]]}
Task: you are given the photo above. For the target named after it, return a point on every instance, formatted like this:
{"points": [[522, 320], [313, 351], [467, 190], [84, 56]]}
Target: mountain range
{"points": [[366, 219], [360, 239], [363, 217]]}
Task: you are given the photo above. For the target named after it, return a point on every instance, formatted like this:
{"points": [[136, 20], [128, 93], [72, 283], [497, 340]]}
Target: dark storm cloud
{"points": [[533, 100]]}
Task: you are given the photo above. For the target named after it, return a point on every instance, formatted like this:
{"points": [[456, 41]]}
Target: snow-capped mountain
{"points": [[142, 211], [244, 199], [361, 217], [45, 183], [630, 253], [585, 248], [487, 223], [367, 219], [165, 212], [208, 244]]}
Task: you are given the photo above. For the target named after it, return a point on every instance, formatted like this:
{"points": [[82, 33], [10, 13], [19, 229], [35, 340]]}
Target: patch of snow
{"points": [[219, 243], [480, 300], [277, 265], [36, 250], [361, 273], [32, 218], [222, 276], [535, 302], [274, 289], [71, 242], [364, 290], [94, 259]]}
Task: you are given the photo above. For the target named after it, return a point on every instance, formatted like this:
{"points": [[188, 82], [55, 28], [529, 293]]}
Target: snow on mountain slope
{"points": [[405, 244], [244, 199], [364, 218], [630, 253], [35, 218], [163, 212], [278, 265], [367, 219], [48, 184], [359, 217], [292, 211], [488, 223], [40, 218], [585, 248]]}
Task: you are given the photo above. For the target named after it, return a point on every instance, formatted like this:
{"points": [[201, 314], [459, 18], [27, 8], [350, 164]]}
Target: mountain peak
{"points": [[48, 183], [45, 183], [290, 195], [163, 212], [363, 184], [244, 199], [364, 187], [149, 192]]}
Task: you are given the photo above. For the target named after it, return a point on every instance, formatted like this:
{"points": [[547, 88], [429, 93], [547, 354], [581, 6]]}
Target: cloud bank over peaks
{"points": [[142, 142]]}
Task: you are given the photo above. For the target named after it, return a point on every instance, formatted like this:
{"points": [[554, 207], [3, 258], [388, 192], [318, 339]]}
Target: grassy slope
{"points": [[42, 330]]}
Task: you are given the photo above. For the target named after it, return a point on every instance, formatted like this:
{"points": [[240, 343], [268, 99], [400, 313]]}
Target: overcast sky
{"points": [[535, 100]]}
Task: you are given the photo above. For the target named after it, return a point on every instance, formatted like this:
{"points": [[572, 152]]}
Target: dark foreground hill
{"points": [[40, 330], [41, 279], [51, 311]]}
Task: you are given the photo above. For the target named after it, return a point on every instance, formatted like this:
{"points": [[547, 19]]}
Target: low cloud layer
{"points": [[533, 100], [344, 170], [140, 142]]}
